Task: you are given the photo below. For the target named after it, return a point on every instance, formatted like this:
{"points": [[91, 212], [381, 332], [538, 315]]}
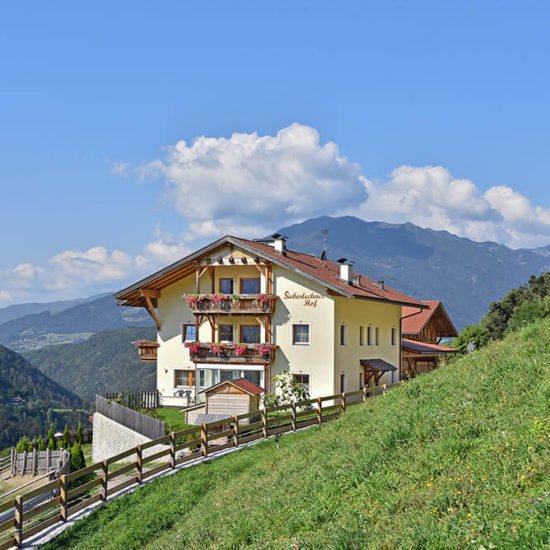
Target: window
{"points": [[369, 336], [300, 335], [361, 336], [226, 286], [250, 286], [343, 335], [393, 336], [250, 334], [302, 379], [377, 336], [226, 333], [189, 333], [184, 378]]}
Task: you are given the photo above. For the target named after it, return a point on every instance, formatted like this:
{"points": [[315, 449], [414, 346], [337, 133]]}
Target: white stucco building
{"points": [[240, 308]]}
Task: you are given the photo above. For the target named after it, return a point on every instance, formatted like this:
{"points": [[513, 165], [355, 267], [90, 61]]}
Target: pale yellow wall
{"points": [[323, 359], [317, 358], [356, 313]]}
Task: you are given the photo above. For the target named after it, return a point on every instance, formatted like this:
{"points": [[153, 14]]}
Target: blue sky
{"points": [[93, 97]]}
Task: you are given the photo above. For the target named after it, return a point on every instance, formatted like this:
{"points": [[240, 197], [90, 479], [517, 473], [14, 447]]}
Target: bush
{"points": [[77, 457]]}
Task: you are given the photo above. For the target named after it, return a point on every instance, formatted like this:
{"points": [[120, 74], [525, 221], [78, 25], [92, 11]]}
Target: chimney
{"points": [[279, 243], [346, 271]]}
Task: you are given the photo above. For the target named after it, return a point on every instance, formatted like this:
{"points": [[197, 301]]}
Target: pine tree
{"points": [[77, 457], [40, 443], [66, 439], [22, 445], [52, 446], [79, 436]]}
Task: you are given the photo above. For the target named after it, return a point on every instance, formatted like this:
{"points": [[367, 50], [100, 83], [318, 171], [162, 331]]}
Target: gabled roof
{"points": [[324, 272], [240, 383], [414, 320], [424, 348]]}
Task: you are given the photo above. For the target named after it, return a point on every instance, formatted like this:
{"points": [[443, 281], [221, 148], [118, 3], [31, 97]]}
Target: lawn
{"points": [[457, 458], [172, 417]]}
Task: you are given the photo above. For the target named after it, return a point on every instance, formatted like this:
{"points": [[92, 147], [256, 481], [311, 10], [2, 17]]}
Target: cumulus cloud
{"points": [[429, 196], [79, 272], [250, 183]]}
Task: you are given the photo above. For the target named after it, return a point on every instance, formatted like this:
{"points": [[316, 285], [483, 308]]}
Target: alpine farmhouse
{"points": [[252, 309]]}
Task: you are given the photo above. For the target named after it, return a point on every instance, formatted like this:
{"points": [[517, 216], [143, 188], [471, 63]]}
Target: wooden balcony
{"points": [[231, 304], [147, 351], [239, 354]]}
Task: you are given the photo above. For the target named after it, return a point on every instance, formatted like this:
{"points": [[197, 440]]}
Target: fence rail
{"points": [[135, 399], [134, 420], [20, 518]]}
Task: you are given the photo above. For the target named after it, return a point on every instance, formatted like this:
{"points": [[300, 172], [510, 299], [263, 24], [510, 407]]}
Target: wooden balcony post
{"points": [[293, 418], [343, 402], [235, 428], [172, 450], [319, 411], [204, 440], [18, 521], [139, 464], [104, 480], [63, 497]]}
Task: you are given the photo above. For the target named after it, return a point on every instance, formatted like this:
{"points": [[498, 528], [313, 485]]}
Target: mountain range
{"points": [[466, 275]]}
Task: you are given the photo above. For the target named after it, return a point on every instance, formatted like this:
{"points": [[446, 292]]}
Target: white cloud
{"points": [[430, 196], [81, 272], [250, 183]]}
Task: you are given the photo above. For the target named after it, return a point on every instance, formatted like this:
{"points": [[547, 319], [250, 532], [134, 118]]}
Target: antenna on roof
{"points": [[325, 245]]}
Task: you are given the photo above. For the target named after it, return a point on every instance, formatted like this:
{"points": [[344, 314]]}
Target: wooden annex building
{"points": [[422, 332]]}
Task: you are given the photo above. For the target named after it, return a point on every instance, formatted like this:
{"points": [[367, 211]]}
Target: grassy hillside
{"points": [[106, 362], [38, 394], [455, 459]]}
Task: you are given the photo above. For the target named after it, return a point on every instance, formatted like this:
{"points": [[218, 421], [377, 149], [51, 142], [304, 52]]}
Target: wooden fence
{"points": [[135, 399], [39, 462], [20, 518], [138, 422], [5, 464]]}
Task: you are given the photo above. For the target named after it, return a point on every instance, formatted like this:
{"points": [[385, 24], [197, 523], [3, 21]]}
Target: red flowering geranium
{"points": [[240, 350]]}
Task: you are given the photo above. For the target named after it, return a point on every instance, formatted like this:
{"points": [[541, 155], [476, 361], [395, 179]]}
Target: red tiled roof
{"points": [[241, 383], [328, 272], [425, 348], [418, 319]]}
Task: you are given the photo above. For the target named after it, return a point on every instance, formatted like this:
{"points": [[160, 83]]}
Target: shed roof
{"points": [[425, 348], [377, 364], [242, 384]]}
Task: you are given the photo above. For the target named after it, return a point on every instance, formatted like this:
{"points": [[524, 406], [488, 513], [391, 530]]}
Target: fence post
{"points": [[48, 460], [365, 393], [13, 461], [204, 440], [63, 497], [263, 414], [139, 464], [319, 411], [172, 450], [24, 463], [235, 431], [293, 418], [104, 479], [18, 521], [343, 402], [34, 462]]}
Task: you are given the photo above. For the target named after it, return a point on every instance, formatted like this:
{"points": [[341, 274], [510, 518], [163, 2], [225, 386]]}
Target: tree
{"points": [[52, 445], [22, 445], [476, 334], [287, 390], [77, 457], [79, 436], [65, 442], [40, 443]]}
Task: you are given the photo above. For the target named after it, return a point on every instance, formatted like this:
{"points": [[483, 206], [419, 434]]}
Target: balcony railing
{"points": [[147, 350], [206, 352], [231, 304]]}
